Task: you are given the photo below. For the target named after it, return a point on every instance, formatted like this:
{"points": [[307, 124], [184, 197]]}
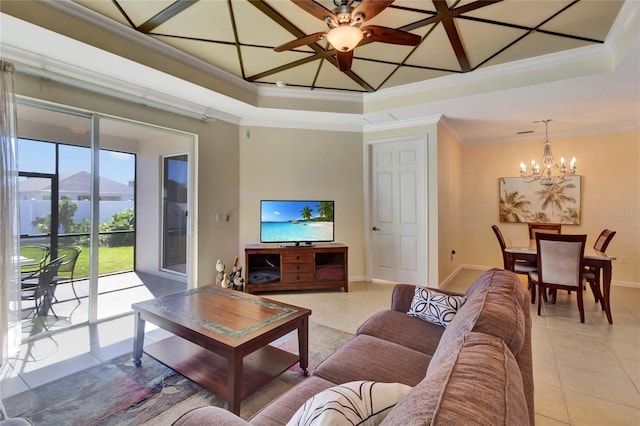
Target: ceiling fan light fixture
{"points": [[345, 37]]}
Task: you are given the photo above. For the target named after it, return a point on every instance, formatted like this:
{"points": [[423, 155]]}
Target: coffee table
{"points": [[221, 338]]}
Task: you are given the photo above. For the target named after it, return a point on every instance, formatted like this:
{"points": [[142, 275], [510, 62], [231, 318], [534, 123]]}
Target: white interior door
{"points": [[397, 211]]}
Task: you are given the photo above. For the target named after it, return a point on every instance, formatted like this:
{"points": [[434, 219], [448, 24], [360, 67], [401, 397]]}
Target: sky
{"points": [[34, 156]]}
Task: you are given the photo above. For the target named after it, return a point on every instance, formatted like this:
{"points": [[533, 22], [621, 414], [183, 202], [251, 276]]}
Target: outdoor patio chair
{"points": [[66, 270], [38, 255], [39, 289]]}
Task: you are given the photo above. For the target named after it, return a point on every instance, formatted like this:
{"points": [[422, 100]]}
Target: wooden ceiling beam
{"points": [[446, 18], [166, 14]]}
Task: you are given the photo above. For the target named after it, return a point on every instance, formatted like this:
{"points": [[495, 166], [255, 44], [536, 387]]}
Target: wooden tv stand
{"points": [[274, 268]]}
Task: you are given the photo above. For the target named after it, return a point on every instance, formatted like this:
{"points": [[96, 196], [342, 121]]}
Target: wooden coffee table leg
{"points": [[234, 381], [303, 345], [138, 339]]}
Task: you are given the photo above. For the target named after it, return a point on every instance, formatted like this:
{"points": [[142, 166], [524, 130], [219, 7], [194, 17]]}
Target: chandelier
{"points": [[547, 172]]}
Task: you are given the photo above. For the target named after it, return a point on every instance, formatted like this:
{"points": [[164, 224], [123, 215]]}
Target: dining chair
{"points": [[592, 273], [520, 266], [547, 228], [67, 267], [560, 266], [39, 289]]}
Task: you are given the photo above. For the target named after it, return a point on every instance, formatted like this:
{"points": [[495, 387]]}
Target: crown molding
{"points": [[315, 94], [402, 124], [114, 27], [580, 61], [318, 123], [573, 62]]}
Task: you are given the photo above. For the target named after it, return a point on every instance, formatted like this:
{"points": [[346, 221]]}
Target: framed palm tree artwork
{"points": [[533, 202]]}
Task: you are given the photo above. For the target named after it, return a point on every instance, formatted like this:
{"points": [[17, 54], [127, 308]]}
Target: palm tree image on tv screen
{"points": [[293, 221]]}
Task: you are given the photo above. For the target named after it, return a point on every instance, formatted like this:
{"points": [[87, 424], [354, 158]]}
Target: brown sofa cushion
{"points": [[478, 382], [494, 306], [400, 328], [209, 416], [368, 358], [276, 413], [497, 304], [282, 409]]}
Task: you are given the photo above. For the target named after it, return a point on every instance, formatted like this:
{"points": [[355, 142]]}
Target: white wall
{"points": [[302, 164]]}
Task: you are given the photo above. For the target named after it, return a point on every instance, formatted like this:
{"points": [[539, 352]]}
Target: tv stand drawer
{"points": [[297, 277], [297, 257], [297, 267]]}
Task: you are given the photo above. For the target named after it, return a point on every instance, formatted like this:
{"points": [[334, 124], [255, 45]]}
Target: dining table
{"points": [[23, 261], [592, 257]]}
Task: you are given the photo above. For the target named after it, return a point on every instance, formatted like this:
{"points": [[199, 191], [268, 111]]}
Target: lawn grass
{"points": [[110, 260]]}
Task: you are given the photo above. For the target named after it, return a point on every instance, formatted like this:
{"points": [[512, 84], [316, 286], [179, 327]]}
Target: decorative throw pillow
{"points": [[437, 308], [355, 403]]}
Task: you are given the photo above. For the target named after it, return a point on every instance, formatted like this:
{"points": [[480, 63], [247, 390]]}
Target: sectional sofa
{"points": [[473, 368]]}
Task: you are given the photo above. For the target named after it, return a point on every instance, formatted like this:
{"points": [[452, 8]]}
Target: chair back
{"points": [[560, 259], [70, 255], [603, 240], [546, 228], [47, 273], [38, 252], [502, 243]]}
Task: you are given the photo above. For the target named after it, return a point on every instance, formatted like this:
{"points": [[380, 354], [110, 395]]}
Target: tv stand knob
{"points": [[375, 228]]}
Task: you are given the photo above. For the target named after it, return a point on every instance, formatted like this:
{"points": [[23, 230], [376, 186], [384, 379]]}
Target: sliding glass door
{"points": [[54, 199], [85, 179], [175, 215]]}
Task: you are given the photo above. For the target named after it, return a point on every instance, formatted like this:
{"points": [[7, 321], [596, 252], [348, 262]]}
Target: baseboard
{"points": [[615, 283], [451, 276]]}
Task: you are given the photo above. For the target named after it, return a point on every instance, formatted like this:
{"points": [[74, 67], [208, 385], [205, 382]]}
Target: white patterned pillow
{"points": [[437, 308], [355, 403]]}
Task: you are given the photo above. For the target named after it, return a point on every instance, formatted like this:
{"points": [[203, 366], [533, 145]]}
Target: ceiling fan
{"points": [[344, 32]]}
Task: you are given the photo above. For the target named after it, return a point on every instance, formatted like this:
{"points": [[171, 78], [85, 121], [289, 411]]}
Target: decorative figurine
{"points": [[225, 283], [237, 282], [220, 272]]}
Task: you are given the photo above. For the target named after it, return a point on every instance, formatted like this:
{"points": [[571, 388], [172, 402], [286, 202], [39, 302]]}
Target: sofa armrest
{"points": [[403, 295], [210, 415]]}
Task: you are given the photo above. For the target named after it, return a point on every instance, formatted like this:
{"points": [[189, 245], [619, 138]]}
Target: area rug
{"points": [[118, 393]]}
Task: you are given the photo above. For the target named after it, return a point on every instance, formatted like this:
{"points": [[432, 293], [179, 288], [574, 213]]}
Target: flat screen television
{"points": [[298, 222]]}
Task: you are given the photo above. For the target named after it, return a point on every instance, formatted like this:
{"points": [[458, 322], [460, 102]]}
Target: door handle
{"points": [[375, 228]]}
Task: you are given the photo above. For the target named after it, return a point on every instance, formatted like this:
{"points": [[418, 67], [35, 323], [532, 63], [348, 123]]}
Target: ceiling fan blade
{"points": [[344, 60], [390, 35], [311, 38], [370, 8], [316, 9]]}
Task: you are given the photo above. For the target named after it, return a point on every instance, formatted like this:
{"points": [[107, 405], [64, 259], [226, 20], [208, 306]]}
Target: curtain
{"points": [[9, 232]]}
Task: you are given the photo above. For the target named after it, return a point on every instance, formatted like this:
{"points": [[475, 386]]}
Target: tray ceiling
{"points": [[238, 36]]}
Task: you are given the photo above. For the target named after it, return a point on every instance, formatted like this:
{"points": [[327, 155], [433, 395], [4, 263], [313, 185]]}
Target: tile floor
{"points": [[585, 374], [116, 293]]}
